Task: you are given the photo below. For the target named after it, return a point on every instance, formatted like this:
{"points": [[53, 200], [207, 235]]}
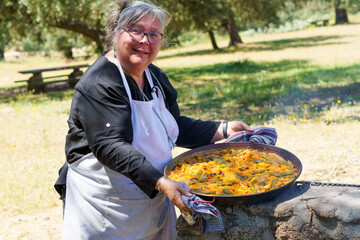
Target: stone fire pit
{"points": [[308, 210]]}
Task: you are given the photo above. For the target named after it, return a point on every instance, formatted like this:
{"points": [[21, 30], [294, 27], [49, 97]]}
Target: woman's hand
{"points": [[173, 190], [236, 126], [232, 127]]}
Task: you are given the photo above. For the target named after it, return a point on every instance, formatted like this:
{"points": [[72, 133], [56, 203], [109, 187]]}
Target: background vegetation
{"points": [[31, 25]]}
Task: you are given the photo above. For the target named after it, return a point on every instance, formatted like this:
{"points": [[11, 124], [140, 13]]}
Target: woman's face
{"points": [[135, 56]]}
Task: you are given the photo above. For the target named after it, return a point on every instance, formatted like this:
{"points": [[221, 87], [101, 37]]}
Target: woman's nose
{"points": [[145, 39]]}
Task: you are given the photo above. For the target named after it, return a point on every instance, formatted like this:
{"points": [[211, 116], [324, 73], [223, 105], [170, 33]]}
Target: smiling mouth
{"points": [[140, 51]]}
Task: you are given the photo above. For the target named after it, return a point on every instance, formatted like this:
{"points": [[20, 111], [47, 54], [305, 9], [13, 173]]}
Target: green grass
{"points": [[237, 87]]}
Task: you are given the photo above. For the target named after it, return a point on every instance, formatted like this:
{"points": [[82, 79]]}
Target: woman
{"points": [[124, 122]]}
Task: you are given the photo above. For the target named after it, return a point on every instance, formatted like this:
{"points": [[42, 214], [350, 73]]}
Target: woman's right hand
{"points": [[173, 190]]}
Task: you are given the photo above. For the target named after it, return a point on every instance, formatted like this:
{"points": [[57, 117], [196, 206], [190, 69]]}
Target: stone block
{"points": [[290, 231]]}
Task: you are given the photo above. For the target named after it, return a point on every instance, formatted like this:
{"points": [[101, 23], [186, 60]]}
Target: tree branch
{"points": [[96, 34]]}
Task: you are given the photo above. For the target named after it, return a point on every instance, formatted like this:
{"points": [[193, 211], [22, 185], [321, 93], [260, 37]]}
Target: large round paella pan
{"points": [[242, 198]]}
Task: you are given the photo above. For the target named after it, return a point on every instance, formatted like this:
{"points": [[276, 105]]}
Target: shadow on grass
{"points": [[268, 88], [265, 46], [232, 68], [296, 43], [57, 92]]}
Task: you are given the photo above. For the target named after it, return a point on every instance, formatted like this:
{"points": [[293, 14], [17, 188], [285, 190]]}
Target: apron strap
{"points": [[126, 84], [153, 93]]}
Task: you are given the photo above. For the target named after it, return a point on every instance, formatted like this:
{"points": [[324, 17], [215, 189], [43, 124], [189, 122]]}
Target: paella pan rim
{"points": [[248, 198]]}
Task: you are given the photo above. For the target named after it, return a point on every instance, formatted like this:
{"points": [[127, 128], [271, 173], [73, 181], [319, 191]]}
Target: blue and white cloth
{"points": [[263, 135], [208, 216]]}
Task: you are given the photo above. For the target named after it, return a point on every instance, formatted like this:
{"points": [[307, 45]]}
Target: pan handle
{"points": [[203, 201]]}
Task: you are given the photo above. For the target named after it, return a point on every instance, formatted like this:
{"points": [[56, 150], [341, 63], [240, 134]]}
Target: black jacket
{"points": [[100, 99]]}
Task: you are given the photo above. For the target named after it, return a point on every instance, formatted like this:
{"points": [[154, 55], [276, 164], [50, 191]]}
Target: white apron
{"points": [[104, 204]]}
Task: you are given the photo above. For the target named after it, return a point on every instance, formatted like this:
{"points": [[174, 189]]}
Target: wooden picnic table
{"points": [[36, 81], [322, 22]]}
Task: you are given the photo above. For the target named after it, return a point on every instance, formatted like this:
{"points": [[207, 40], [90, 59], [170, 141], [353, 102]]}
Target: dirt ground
{"points": [[44, 225]]}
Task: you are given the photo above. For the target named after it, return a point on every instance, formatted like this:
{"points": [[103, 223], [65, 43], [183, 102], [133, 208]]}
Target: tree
{"points": [[80, 16], [13, 20], [212, 39], [206, 16], [88, 17], [340, 12], [4, 39], [188, 15], [64, 44], [180, 20], [242, 14], [228, 15], [230, 26], [342, 7], [85, 17]]}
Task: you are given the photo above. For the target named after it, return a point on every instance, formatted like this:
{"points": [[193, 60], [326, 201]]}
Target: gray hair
{"points": [[126, 13]]}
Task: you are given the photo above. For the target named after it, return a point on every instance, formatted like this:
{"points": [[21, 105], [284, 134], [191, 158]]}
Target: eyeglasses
{"points": [[138, 34]]}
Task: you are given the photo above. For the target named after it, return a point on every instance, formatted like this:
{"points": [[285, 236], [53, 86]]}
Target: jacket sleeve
{"points": [[105, 117]]}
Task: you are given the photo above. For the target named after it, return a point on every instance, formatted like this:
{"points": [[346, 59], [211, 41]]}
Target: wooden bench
{"points": [[37, 84], [318, 23]]}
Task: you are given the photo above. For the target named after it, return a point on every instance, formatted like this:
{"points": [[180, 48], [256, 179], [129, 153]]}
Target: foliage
{"points": [[29, 45], [228, 15], [12, 20], [85, 17], [88, 17]]}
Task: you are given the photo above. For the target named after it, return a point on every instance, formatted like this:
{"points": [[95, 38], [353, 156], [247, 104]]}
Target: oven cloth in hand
{"points": [[208, 216], [263, 135]]}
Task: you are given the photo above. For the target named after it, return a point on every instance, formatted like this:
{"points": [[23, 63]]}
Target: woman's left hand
{"points": [[173, 190], [232, 127], [236, 126]]}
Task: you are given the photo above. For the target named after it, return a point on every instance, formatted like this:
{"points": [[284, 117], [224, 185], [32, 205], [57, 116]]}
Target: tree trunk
{"points": [[231, 28], [341, 16], [234, 34], [2, 54], [213, 40], [68, 53]]}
